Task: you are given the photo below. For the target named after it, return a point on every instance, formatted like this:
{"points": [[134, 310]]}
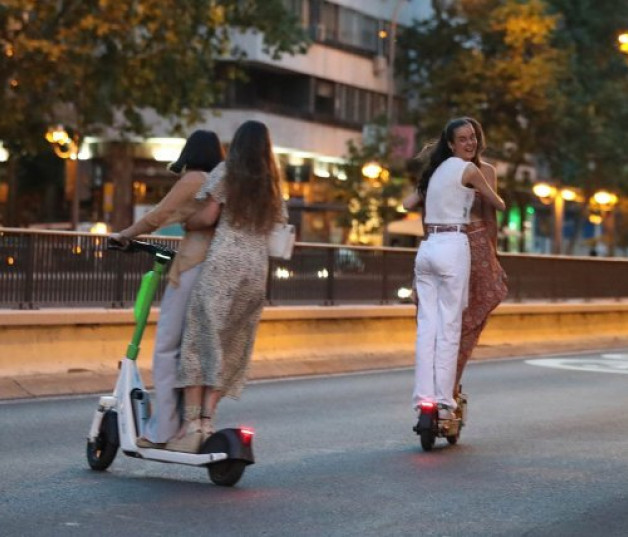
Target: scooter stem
{"points": [[145, 296]]}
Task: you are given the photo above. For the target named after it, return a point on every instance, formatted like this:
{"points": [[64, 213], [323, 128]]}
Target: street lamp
{"points": [[606, 200], [622, 39], [549, 194], [66, 147], [603, 203], [600, 202], [376, 174], [392, 51], [371, 170]]}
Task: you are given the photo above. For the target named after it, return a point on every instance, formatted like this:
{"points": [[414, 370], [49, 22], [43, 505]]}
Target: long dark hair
{"points": [[479, 135], [202, 152], [439, 151], [252, 182]]}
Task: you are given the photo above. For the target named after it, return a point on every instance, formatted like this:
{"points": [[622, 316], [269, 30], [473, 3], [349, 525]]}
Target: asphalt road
{"points": [[544, 453]]}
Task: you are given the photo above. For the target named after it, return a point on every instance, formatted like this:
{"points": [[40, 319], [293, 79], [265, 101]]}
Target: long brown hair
{"points": [[252, 181]]}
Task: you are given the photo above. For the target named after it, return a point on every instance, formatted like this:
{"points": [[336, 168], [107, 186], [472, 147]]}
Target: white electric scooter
{"points": [[120, 418]]}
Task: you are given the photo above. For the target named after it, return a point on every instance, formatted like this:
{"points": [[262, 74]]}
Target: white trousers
{"points": [[165, 417], [442, 269]]}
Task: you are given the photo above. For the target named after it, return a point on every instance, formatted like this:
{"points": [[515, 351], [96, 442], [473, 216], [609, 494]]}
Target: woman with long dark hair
{"points": [[447, 187], [201, 153], [227, 300]]}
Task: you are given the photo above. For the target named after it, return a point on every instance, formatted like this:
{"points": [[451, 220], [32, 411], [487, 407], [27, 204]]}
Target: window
{"points": [[299, 8], [324, 98], [348, 27]]}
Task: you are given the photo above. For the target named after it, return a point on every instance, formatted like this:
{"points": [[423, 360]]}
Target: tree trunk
{"points": [[119, 171], [11, 212]]}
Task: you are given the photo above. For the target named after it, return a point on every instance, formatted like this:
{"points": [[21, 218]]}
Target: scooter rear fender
{"points": [[230, 441], [427, 420]]}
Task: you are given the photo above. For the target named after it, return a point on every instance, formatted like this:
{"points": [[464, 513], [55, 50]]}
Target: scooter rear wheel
{"points": [[101, 452], [226, 473], [427, 440]]}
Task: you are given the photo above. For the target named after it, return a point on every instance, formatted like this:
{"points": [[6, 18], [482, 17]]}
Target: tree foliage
{"points": [[96, 64], [370, 204], [544, 77]]}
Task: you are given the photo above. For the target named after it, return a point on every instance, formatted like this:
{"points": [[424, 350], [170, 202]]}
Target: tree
{"points": [[369, 202], [95, 65], [590, 152], [494, 60]]}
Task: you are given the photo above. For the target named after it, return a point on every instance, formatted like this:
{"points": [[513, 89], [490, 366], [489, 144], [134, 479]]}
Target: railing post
{"points": [[118, 299], [384, 299], [331, 266], [29, 276]]}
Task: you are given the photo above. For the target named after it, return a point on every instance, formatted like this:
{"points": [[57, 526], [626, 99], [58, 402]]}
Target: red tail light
{"points": [[246, 435], [428, 406]]}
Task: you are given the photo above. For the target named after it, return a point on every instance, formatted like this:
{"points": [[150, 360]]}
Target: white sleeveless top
{"points": [[448, 201]]}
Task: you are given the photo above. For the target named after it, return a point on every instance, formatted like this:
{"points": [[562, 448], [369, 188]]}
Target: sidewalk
{"points": [[82, 381]]}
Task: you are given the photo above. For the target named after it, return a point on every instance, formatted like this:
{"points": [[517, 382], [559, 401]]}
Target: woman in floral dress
{"points": [[487, 281], [227, 300]]}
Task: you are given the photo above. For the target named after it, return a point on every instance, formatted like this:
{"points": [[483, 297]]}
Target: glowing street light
{"points": [[569, 194], [67, 148], [623, 42], [372, 170], [544, 191], [605, 199]]}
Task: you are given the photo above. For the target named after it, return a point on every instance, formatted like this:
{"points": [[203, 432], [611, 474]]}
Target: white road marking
{"points": [[606, 363]]}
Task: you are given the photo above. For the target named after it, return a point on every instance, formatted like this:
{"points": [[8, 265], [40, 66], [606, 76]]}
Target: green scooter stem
{"points": [[141, 311]]}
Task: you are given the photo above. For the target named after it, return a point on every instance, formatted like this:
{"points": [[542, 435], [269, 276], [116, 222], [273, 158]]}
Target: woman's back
{"points": [[448, 201]]}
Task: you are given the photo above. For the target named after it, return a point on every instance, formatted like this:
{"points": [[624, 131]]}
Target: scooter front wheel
{"points": [[101, 451]]}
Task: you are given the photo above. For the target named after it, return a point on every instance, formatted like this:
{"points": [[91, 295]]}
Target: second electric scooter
{"points": [[430, 426], [120, 418]]}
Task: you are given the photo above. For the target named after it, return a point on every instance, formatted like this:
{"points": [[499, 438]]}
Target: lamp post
{"points": [[66, 147], [549, 194], [392, 51], [605, 202]]}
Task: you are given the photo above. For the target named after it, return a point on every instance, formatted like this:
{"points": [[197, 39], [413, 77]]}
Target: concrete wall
{"points": [[54, 341]]}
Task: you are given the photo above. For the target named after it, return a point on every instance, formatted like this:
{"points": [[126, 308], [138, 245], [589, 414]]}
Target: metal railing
{"points": [[40, 269]]}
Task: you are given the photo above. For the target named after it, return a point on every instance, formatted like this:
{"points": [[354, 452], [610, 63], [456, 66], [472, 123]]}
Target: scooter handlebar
{"points": [[133, 246]]}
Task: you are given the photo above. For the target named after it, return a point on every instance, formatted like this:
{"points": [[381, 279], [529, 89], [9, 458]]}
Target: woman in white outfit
{"points": [[201, 153], [448, 185]]}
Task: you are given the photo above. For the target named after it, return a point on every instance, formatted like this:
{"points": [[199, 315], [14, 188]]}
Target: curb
{"points": [[83, 382]]}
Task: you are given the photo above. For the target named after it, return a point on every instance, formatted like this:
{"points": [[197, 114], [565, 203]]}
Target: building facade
{"points": [[313, 104]]}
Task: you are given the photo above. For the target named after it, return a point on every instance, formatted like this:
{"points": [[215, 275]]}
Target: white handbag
{"points": [[281, 241]]}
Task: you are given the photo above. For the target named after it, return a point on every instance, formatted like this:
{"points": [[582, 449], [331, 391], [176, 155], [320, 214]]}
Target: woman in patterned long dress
{"points": [[227, 300], [487, 281]]}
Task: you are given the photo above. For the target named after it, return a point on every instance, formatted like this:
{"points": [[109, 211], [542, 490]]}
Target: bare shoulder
{"points": [[489, 172], [192, 177], [486, 167]]}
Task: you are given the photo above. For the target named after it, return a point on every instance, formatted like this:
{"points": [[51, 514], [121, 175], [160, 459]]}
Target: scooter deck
{"points": [[163, 455]]}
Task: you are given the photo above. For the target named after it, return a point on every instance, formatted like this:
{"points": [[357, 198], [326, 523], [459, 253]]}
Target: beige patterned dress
{"points": [[487, 288], [225, 305]]}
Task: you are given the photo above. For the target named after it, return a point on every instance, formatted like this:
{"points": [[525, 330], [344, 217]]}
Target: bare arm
{"points": [[489, 216], [473, 177], [205, 217], [412, 201], [182, 191]]}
